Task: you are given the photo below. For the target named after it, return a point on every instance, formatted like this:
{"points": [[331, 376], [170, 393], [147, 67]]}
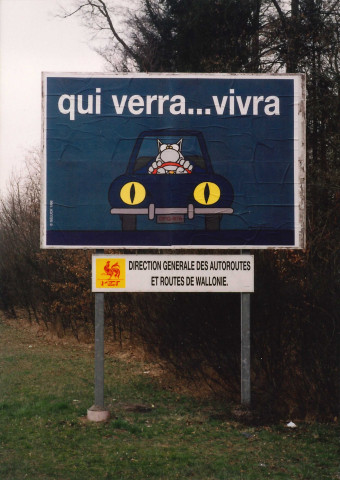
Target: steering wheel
{"points": [[169, 164]]}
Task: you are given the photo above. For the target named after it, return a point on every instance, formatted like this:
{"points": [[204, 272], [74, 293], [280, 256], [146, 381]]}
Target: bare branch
{"points": [[280, 13], [98, 16], [105, 13]]}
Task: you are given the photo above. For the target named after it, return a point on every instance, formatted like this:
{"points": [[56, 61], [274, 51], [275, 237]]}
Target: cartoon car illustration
{"points": [[170, 178]]}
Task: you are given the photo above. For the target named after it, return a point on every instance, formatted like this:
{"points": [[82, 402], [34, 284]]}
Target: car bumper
{"points": [[190, 211]]}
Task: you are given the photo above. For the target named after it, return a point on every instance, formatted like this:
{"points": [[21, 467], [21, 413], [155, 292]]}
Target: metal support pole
{"points": [[99, 351], [245, 348], [97, 412]]}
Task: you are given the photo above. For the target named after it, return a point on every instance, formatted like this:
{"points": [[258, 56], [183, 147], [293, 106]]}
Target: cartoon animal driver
{"points": [[170, 159]]}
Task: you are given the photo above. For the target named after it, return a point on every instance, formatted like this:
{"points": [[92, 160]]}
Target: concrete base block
{"points": [[97, 414]]}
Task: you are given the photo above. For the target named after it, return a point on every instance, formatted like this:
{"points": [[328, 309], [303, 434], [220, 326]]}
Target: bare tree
{"points": [[19, 230], [102, 18]]}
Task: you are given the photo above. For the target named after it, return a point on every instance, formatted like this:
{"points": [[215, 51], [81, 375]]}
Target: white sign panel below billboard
{"points": [[172, 273]]}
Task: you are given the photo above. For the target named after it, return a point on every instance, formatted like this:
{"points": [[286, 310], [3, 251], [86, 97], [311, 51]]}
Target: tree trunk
{"points": [[293, 39], [255, 41]]}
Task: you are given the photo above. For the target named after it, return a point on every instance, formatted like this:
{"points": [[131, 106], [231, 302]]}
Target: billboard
{"points": [[172, 273], [173, 160]]}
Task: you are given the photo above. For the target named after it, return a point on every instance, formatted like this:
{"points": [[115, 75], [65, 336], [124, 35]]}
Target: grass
{"points": [[45, 390]]}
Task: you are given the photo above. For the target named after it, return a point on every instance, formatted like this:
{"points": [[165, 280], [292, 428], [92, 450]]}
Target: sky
{"points": [[33, 40]]}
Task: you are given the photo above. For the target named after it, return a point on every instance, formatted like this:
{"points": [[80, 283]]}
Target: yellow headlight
{"points": [[207, 193], [132, 193]]}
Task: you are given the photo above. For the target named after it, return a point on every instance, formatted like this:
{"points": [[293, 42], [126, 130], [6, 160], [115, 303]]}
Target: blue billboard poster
{"points": [[173, 161]]}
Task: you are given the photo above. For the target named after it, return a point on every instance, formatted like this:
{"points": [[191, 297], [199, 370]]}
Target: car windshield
{"points": [[151, 147]]}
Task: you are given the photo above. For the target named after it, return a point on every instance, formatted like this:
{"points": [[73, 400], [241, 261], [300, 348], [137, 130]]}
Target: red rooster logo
{"points": [[112, 270]]}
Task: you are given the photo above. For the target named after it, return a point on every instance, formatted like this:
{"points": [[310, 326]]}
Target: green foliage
{"points": [[189, 36]]}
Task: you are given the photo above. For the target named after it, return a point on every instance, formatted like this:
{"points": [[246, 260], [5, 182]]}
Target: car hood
{"points": [[174, 190]]}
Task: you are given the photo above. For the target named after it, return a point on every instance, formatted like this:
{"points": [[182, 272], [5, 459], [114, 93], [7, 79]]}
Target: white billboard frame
{"points": [[299, 160]]}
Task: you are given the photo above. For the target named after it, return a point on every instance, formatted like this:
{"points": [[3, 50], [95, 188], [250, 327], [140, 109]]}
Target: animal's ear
{"points": [[159, 144], [179, 143]]}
